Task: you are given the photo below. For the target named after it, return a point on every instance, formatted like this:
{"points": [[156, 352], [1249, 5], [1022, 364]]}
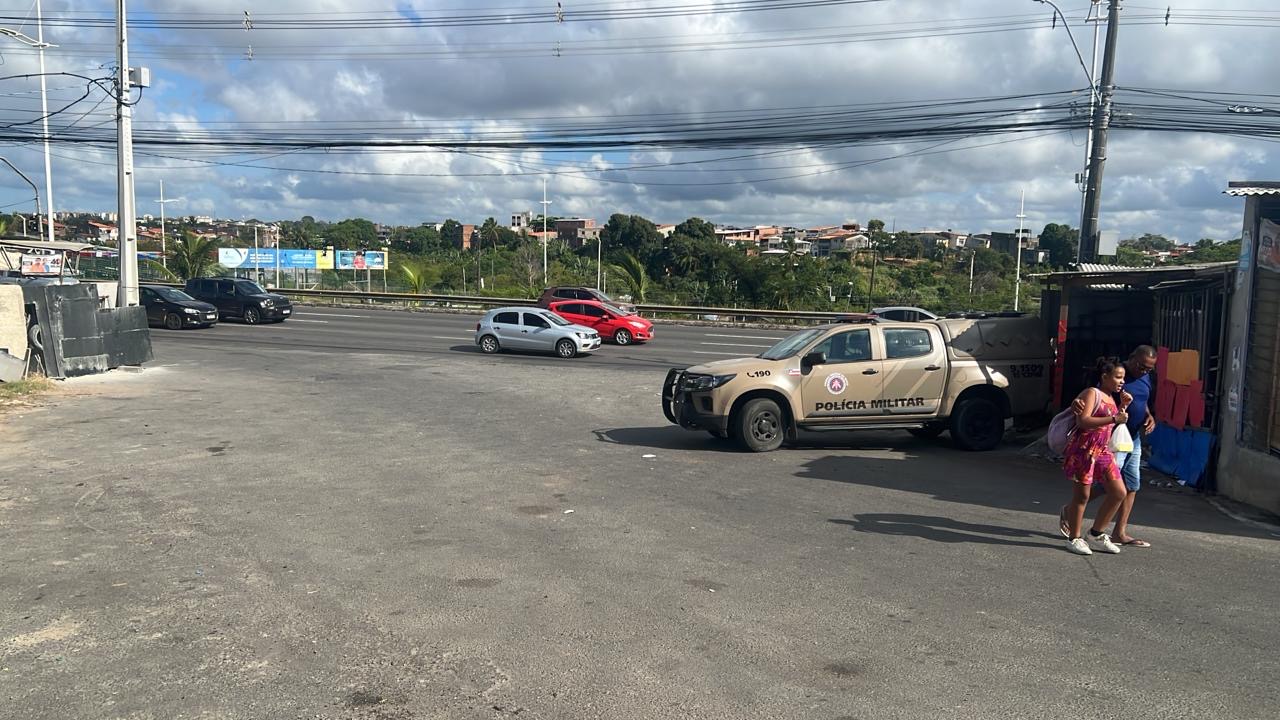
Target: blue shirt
{"points": [[1140, 389]]}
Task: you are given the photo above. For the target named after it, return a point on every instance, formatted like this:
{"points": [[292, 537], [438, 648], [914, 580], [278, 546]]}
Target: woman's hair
{"points": [[1104, 366]]}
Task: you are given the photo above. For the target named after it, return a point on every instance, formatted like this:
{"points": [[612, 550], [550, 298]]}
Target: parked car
{"points": [[533, 329], [556, 294], [175, 309], [904, 313], [240, 298], [609, 320]]}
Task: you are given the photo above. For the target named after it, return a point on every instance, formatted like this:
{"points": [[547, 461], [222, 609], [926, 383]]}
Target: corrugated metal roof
{"points": [[1241, 188], [1112, 277]]}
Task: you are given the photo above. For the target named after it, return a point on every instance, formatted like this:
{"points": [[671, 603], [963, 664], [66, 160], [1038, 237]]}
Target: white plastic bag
{"points": [[1121, 440]]}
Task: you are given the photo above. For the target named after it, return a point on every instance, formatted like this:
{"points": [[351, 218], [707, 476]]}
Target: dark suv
{"points": [[240, 298], [556, 294]]}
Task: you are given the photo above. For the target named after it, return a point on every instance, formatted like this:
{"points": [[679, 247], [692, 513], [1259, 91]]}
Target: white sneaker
{"points": [[1102, 543], [1079, 547]]}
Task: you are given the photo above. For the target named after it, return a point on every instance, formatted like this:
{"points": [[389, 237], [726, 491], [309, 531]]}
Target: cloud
{"points": [[451, 82]]}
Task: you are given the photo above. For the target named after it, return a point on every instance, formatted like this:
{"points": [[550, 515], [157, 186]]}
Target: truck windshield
{"points": [[791, 345]]}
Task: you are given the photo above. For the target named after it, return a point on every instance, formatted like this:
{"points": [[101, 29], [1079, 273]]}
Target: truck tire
{"points": [[758, 426], [929, 431], [977, 424]]}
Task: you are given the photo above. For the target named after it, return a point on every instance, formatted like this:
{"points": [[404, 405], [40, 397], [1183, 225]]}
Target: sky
{"points": [[469, 80]]}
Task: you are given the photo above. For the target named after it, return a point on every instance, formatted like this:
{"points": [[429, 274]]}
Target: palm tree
{"points": [[420, 277], [632, 270], [190, 256]]}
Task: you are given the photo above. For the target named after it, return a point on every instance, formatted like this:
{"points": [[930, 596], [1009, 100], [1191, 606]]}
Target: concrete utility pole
{"points": [[599, 258], [545, 203], [44, 112], [1098, 148], [1017, 272], [1095, 17], [127, 222], [164, 251]]}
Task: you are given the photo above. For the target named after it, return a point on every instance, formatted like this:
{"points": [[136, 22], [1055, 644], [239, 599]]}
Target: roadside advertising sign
{"points": [[264, 258], [361, 260], [41, 264]]}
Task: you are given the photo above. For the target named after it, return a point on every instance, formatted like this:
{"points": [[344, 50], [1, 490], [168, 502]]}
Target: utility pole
{"points": [[972, 256], [44, 113], [1095, 17], [126, 221], [545, 203], [257, 269], [1098, 148], [1017, 272], [599, 256]]}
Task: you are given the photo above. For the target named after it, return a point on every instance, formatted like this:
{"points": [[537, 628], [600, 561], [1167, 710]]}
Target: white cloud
{"points": [[1154, 182]]}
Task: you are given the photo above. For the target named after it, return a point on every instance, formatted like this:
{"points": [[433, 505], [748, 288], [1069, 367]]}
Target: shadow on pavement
{"points": [[1006, 481], [946, 530], [668, 437]]}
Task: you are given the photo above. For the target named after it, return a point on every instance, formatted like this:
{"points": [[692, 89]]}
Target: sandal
{"points": [[1135, 542]]}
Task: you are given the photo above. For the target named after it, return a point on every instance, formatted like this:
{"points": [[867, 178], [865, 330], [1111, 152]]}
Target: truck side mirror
{"points": [[814, 358]]}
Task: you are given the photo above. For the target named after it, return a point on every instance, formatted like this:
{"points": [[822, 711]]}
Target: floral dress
{"points": [[1088, 455]]}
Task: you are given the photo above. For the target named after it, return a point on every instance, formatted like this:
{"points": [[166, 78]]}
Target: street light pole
{"points": [[34, 190], [44, 112], [1017, 272], [545, 203]]}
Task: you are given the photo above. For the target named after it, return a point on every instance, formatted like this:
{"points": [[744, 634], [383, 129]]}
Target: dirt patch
{"points": [[53, 632]]}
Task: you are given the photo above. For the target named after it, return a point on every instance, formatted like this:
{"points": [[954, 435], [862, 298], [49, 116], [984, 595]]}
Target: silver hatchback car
{"points": [[535, 330]]}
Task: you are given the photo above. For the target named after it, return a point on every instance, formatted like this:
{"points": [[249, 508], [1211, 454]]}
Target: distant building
{"points": [[467, 238], [666, 229], [571, 231], [522, 221]]}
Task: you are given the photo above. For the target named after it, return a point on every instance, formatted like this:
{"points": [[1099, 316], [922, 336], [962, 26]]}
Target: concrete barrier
{"points": [[13, 321], [73, 337]]}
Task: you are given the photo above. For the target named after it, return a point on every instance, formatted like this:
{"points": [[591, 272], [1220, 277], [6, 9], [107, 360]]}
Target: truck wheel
{"points": [[977, 424], [758, 426], [929, 431]]}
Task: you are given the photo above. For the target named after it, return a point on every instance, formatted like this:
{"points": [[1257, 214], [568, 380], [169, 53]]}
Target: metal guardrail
{"points": [[478, 301]]}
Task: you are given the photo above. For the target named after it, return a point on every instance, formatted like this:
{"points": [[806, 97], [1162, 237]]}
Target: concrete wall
{"points": [[1244, 474], [13, 321]]}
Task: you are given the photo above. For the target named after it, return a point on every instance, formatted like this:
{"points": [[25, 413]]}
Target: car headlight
{"points": [[699, 383], [582, 335], [191, 311], [636, 325], [268, 303]]}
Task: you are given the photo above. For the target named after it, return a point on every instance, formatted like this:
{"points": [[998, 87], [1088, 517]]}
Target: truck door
{"points": [[915, 371], [848, 383]]}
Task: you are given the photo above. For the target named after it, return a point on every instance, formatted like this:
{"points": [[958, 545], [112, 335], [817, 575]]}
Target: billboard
{"points": [[361, 260], [41, 265], [290, 259]]}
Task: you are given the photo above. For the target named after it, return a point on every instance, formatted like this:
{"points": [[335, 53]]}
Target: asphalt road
{"points": [[427, 334], [339, 519]]}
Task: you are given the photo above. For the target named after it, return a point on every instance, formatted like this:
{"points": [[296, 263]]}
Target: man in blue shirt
{"points": [[1139, 383]]}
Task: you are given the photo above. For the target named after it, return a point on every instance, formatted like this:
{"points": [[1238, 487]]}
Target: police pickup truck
{"points": [[964, 375]]}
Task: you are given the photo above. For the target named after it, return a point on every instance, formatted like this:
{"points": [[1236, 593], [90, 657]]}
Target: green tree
{"points": [[696, 228], [1061, 242], [190, 256], [1148, 242], [451, 234], [419, 276]]}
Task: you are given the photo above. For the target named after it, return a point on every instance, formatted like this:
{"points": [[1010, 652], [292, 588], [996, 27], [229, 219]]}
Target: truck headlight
{"points": [[268, 303], [701, 383]]}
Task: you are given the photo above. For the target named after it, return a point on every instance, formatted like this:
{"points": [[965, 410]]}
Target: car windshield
{"points": [[616, 310], [173, 294], [555, 319], [791, 344], [249, 287]]}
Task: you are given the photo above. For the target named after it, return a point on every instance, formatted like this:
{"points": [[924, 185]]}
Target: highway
{"points": [[345, 330]]}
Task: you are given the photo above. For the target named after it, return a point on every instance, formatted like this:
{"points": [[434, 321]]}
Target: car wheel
{"points": [[622, 337], [977, 424], [929, 431], [173, 321], [489, 345], [566, 349], [758, 426], [252, 316]]}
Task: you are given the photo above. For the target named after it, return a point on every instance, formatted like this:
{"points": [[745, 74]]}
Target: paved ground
{"points": [[275, 530]]}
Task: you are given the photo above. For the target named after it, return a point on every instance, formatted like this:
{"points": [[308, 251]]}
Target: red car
{"points": [[610, 321]]}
